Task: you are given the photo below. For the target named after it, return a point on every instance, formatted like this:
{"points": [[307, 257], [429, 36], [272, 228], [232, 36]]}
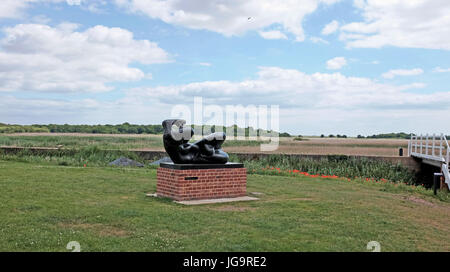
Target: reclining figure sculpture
{"points": [[205, 151]]}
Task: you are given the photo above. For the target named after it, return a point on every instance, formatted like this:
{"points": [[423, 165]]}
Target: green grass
{"points": [[44, 206], [100, 142], [339, 165], [91, 156]]}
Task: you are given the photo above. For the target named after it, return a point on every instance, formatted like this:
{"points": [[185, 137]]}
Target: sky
{"points": [[332, 66]]}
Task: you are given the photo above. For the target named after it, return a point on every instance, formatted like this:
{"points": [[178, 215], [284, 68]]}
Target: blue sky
{"points": [[348, 67]]}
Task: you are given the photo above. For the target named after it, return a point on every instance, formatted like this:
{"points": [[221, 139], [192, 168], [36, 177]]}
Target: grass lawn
{"points": [[43, 207]]}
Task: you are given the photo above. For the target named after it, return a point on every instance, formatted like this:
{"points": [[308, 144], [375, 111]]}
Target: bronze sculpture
{"points": [[205, 151]]}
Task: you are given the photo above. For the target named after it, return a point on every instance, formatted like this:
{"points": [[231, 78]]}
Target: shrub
{"points": [[339, 165]]}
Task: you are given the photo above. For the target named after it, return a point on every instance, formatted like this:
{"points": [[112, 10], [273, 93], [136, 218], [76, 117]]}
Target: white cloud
{"points": [[79, 111], [41, 19], [326, 102], [207, 64], [229, 17], [73, 2], [441, 70], [16, 8], [37, 57], [336, 63], [402, 72], [293, 88], [95, 6], [318, 40], [272, 35], [13, 8], [400, 23], [330, 28]]}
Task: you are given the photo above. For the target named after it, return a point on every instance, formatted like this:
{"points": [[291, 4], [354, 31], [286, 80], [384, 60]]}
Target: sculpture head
{"points": [[175, 132]]}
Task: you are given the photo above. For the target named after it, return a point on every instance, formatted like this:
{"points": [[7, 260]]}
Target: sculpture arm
{"points": [[187, 148]]}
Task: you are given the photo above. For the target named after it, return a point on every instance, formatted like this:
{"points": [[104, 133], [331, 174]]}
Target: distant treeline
{"points": [[332, 136], [401, 135], [125, 128]]}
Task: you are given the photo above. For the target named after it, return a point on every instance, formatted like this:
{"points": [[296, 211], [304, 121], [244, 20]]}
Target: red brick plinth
{"points": [[208, 183]]}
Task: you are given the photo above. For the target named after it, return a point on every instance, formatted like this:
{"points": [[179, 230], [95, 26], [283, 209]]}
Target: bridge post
{"points": [[426, 144], [436, 182], [415, 146], [409, 147], [448, 157], [440, 146], [421, 144], [432, 151]]}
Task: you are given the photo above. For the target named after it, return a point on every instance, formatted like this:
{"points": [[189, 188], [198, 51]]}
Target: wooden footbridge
{"points": [[433, 150]]}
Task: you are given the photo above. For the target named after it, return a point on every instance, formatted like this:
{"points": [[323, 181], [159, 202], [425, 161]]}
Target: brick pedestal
{"points": [[205, 181]]}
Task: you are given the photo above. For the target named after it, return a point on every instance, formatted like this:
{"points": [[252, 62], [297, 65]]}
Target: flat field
{"points": [[347, 146], [44, 207]]}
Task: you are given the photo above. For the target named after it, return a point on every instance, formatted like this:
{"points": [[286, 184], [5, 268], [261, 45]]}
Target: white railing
{"points": [[432, 148]]}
